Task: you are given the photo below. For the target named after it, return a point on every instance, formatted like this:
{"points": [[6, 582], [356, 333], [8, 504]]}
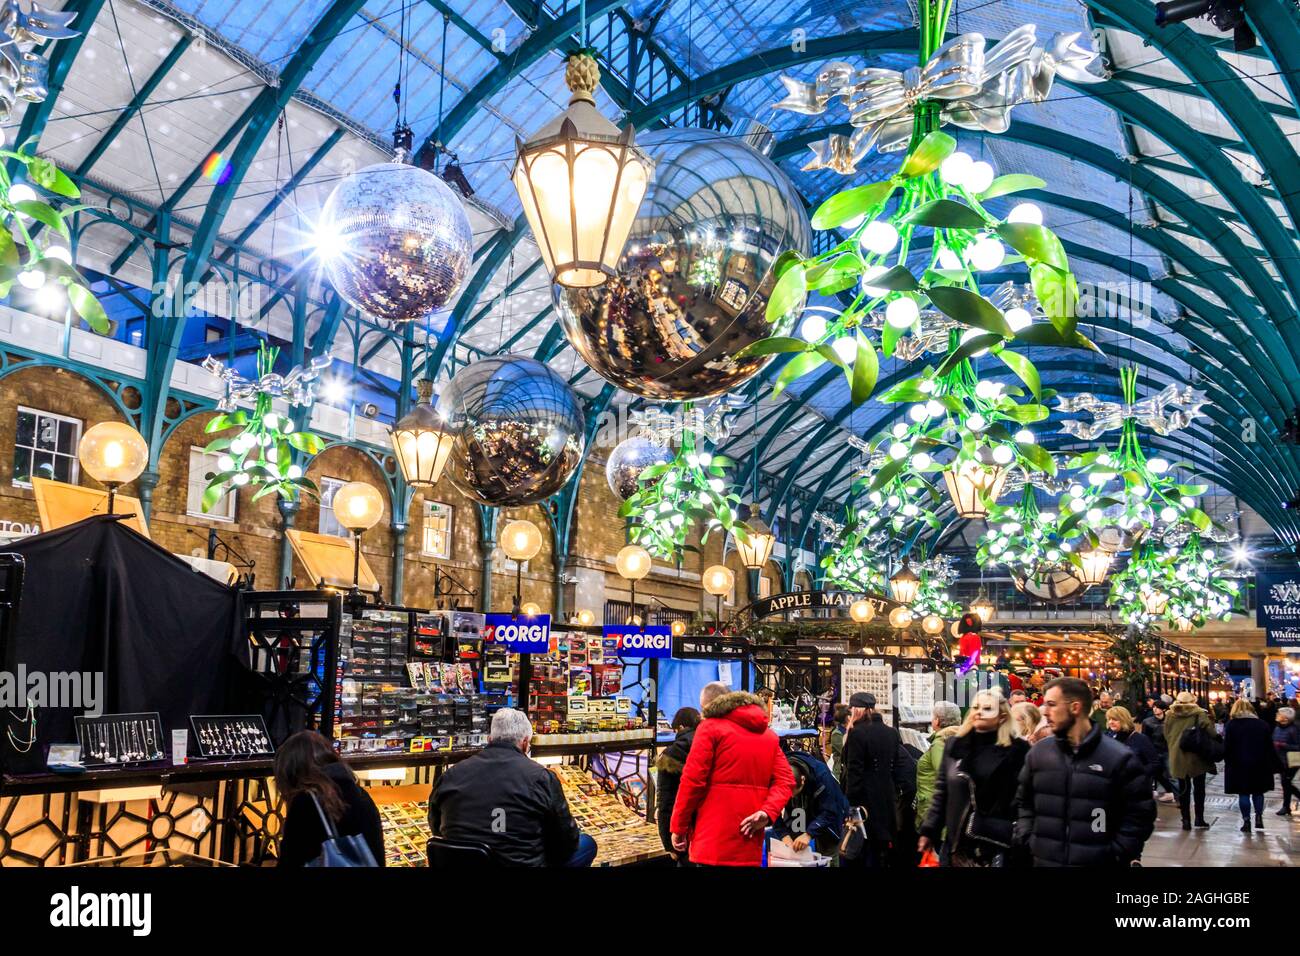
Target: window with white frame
{"points": [[329, 524], [436, 538], [201, 465], [45, 446]]}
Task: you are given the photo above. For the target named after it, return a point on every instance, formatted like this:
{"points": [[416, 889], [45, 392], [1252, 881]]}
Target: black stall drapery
{"points": [[101, 598]]}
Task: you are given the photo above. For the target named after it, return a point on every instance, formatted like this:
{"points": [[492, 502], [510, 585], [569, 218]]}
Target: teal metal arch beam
{"points": [[542, 41], [264, 109], [37, 115], [137, 103], [819, 494], [465, 27], [1205, 222], [1277, 24]]}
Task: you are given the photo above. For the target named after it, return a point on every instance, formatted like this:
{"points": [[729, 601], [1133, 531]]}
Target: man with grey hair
{"points": [[503, 800], [945, 719]]}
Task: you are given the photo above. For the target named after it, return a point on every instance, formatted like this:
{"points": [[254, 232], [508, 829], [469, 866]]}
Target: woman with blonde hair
{"points": [[973, 810], [1121, 726], [1030, 723], [1249, 761]]}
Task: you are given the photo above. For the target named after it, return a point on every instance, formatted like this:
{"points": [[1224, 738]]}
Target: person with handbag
{"points": [[331, 820], [1084, 799], [974, 800], [1192, 740], [1286, 742], [945, 722], [1249, 761], [876, 770]]}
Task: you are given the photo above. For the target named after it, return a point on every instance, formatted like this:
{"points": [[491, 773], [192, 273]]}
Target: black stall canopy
{"points": [[99, 598]]}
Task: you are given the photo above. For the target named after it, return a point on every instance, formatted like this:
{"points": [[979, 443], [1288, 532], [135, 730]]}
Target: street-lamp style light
{"points": [[358, 506], [581, 181], [521, 541], [633, 563], [114, 454], [862, 611], [755, 546], [1094, 564], [983, 607], [586, 618], [905, 584], [900, 617], [932, 624], [421, 441], [974, 486], [718, 580]]}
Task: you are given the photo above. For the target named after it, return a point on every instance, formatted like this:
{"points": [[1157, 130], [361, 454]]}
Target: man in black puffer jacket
{"points": [[1084, 798]]}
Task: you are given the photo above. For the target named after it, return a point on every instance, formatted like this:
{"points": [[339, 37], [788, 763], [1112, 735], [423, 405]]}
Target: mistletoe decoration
{"points": [[1023, 538], [852, 563], [262, 454], [1185, 585]]}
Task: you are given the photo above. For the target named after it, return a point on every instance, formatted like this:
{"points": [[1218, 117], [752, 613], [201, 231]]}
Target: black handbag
{"points": [[993, 833], [341, 851]]}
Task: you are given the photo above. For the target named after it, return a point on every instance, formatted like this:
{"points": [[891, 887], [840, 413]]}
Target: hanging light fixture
{"points": [[755, 547], [982, 606], [581, 182], [932, 624], [900, 617], [1155, 602], [974, 486], [421, 442], [905, 584], [1094, 564], [633, 563]]}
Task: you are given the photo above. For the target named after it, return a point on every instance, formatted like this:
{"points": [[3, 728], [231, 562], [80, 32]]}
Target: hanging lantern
{"points": [[1093, 566], [1185, 625], [756, 546], [421, 443], [973, 487], [581, 182], [1155, 602], [932, 624], [862, 611], [905, 584], [900, 617], [983, 606]]}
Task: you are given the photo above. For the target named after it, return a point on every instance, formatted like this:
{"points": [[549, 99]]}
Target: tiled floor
{"points": [[1223, 845]]}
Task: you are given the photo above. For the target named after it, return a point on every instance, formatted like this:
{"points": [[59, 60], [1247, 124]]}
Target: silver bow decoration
{"points": [[24, 73], [296, 388], [1172, 409], [665, 427], [977, 88]]}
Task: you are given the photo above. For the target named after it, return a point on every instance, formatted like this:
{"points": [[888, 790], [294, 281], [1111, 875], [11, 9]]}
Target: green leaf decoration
{"points": [[889, 336], [1199, 518], [43, 213], [866, 368], [787, 294], [945, 214], [909, 391], [798, 366], [1043, 334], [1037, 458], [1034, 242], [89, 308], [1058, 296], [1024, 370], [966, 349], [8, 250], [784, 261], [212, 494], [1026, 414], [772, 346], [887, 473], [1011, 183], [969, 308], [897, 279], [306, 442], [928, 155], [829, 354], [851, 203]]}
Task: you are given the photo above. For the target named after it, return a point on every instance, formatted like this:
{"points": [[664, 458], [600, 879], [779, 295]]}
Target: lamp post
{"points": [[113, 453], [521, 541], [905, 584], [358, 506], [633, 563], [718, 580]]}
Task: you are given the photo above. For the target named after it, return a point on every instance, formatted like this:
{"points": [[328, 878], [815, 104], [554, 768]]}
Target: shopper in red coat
{"points": [[735, 783]]}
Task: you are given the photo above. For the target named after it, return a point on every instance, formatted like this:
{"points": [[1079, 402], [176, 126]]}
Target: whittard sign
{"points": [[1277, 609]]}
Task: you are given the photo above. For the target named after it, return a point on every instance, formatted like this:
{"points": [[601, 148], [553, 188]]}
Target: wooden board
{"points": [[328, 559], [60, 504]]}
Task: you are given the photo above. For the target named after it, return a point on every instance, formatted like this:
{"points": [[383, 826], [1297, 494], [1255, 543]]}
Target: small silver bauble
{"points": [[400, 241], [628, 459], [696, 272], [520, 430]]}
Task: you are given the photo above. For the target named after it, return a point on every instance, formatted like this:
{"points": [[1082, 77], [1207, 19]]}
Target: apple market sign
{"points": [[814, 601], [1277, 609]]}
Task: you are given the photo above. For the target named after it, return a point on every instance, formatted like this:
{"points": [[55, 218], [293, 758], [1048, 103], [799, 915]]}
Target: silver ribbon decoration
{"points": [[24, 74], [977, 88], [1172, 409], [712, 422], [296, 388]]}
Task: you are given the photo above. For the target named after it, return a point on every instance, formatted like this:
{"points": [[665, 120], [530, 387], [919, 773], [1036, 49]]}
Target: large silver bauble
{"points": [[519, 430], [403, 241], [1050, 584], [696, 272], [629, 458]]}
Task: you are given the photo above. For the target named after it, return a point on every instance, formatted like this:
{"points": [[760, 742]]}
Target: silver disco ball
{"points": [[1050, 584], [629, 458], [696, 272], [396, 242], [519, 430]]}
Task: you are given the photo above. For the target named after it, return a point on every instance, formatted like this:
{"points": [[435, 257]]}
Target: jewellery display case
{"points": [[231, 736], [120, 739]]}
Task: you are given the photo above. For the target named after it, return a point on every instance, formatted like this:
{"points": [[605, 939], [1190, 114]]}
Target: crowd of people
{"points": [[1067, 780]]}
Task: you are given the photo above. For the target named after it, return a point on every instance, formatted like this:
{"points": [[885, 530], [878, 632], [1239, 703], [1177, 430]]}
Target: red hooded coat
{"points": [[735, 768]]}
